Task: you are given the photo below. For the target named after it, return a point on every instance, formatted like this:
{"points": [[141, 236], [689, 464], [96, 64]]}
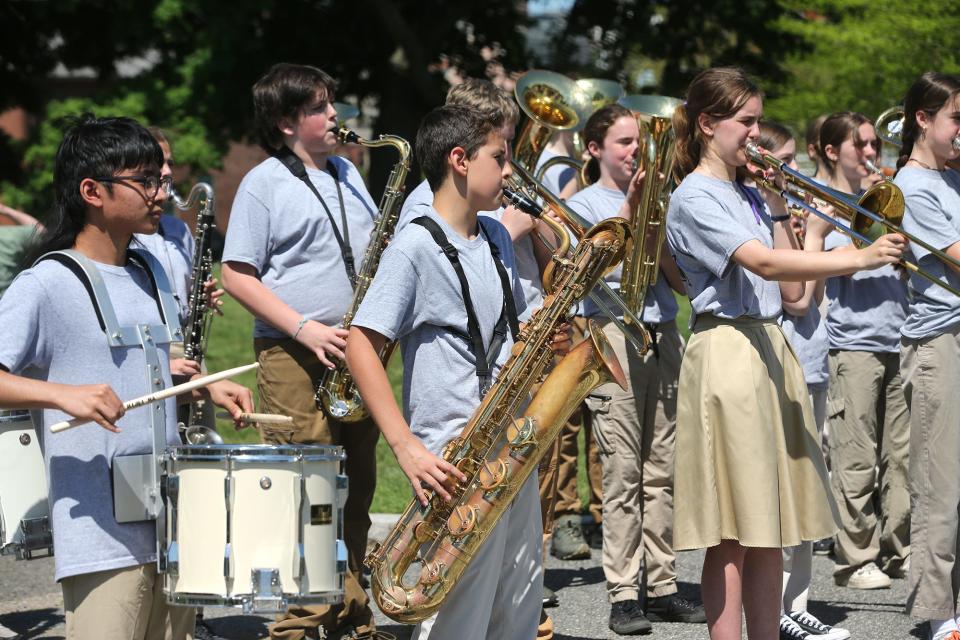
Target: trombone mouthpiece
{"points": [[521, 202]]}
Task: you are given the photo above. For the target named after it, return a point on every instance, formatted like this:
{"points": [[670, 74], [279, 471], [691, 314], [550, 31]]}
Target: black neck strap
{"points": [[296, 167], [508, 313]]}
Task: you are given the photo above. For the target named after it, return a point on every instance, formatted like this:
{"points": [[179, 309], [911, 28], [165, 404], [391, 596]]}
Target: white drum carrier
{"points": [[24, 510], [256, 526]]}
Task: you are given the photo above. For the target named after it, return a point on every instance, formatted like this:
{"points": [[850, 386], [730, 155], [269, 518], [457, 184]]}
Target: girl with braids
{"points": [[930, 349], [749, 477], [868, 413]]}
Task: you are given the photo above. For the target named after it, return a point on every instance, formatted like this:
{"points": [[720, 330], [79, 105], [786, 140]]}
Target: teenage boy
{"points": [[299, 226], [107, 187], [416, 298]]}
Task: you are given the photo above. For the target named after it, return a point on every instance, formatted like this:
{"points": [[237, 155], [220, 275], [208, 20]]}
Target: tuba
{"points": [[641, 266], [200, 314], [551, 103], [336, 394], [496, 450]]}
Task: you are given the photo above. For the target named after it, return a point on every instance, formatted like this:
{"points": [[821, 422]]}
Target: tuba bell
{"points": [[550, 101]]}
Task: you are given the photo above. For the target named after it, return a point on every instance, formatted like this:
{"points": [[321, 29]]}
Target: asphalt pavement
{"points": [[30, 603]]}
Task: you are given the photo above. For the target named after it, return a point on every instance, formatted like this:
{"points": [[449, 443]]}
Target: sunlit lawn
{"points": [[231, 345]]}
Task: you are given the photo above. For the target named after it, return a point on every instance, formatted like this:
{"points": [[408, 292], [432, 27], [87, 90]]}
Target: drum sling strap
{"points": [[485, 358], [137, 491]]}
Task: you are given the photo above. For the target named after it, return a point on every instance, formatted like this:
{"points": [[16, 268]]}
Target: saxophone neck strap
{"points": [[296, 167], [485, 358]]}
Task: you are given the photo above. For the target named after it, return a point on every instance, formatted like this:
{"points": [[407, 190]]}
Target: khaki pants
{"points": [[637, 454], [870, 429], [123, 604], [931, 369], [285, 382]]}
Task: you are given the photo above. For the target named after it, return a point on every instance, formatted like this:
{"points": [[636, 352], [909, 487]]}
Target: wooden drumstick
{"points": [[163, 394], [262, 418]]}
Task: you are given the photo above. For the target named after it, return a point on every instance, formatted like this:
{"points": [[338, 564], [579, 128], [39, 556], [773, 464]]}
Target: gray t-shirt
{"points": [[708, 220], [415, 298], [557, 176], [420, 201], [867, 309], [933, 215], [51, 333], [280, 228], [597, 203], [173, 248], [808, 336]]}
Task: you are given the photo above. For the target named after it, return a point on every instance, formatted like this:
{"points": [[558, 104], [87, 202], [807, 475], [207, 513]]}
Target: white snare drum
{"points": [[254, 526], [24, 510]]}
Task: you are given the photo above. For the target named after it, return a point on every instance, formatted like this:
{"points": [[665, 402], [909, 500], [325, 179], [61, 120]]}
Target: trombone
{"points": [[518, 193], [889, 128], [878, 210]]}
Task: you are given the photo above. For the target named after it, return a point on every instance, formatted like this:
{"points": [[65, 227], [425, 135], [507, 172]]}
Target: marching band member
{"points": [[869, 420], [750, 478], [416, 298], [299, 226], [930, 356], [108, 187], [636, 450]]}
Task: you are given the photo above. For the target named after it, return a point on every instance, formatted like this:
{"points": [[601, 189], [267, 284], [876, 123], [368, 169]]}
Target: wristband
{"points": [[300, 324], [782, 218]]}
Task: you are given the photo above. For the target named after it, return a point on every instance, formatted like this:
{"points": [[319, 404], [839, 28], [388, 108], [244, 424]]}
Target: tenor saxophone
{"points": [[336, 394], [496, 450]]}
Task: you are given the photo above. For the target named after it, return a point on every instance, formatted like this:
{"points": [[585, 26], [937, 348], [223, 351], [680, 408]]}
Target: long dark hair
{"points": [[928, 94], [719, 93], [91, 147]]}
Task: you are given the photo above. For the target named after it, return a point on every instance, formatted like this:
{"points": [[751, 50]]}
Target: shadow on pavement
{"points": [[32, 624]]}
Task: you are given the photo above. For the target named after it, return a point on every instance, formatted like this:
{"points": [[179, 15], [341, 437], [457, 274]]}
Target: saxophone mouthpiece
{"points": [[521, 202]]}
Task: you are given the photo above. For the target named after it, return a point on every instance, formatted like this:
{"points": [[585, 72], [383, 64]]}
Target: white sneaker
{"points": [[790, 630], [809, 623], [868, 576]]}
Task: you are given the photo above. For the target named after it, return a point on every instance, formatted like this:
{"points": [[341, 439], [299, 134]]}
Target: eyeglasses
{"points": [[151, 183]]}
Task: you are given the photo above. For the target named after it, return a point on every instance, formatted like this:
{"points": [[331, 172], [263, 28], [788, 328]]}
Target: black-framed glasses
{"points": [[151, 183]]}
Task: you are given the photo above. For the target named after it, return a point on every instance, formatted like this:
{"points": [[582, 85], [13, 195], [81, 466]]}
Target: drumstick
{"points": [[163, 394], [262, 418]]}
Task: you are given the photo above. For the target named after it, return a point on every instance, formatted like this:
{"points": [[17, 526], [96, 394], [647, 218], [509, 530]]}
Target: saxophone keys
{"points": [[463, 520], [522, 432], [394, 599], [492, 474], [423, 532], [432, 572]]}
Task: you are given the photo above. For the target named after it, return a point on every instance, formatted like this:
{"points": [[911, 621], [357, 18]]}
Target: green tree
{"points": [[204, 55], [861, 55]]}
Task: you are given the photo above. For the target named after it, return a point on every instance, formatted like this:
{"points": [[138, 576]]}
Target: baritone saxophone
{"points": [[497, 451], [337, 394]]}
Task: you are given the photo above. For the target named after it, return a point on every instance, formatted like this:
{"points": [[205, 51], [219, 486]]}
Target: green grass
{"points": [[231, 345]]}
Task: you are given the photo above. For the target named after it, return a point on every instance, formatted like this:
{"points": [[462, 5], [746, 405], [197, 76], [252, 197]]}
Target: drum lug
{"points": [[343, 483], [267, 592], [341, 557], [173, 559]]}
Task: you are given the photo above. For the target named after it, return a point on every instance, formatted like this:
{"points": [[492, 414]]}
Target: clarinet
{"points": [[200, 313]]}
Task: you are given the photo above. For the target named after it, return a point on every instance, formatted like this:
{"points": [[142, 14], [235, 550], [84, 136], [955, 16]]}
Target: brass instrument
{"points": [[878, 211], [496, 450], [200, 314], [595, 93], [548, 99], [579, 166], [522, 184], [648, 221], [336, 394]]}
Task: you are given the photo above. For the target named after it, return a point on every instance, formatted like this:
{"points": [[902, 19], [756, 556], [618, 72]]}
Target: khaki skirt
{"points": [[748, 460]]}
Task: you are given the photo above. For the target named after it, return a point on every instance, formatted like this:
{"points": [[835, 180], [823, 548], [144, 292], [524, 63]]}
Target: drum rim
{"points": [[256, 452], [14, 415], [243, 600]]}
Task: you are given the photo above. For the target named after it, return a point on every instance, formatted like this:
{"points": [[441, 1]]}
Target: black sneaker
{"points": [[594, 535], [549, 597], [809, 623], [627, 619], [204, 631], [674, 608], [823, 547], [790, 630]]}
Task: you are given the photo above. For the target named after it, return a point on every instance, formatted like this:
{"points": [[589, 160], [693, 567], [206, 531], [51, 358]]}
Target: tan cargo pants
{"points": [[637, 453], [123, 603], [931, 369], [869, 430], [285, 383]]}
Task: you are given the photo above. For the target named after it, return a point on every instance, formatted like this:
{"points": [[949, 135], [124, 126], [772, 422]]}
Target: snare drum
{"points": [[254, 526], [24, 510]]}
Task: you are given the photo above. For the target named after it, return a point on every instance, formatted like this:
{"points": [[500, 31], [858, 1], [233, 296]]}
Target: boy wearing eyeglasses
{"points": [[58, 357]]}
